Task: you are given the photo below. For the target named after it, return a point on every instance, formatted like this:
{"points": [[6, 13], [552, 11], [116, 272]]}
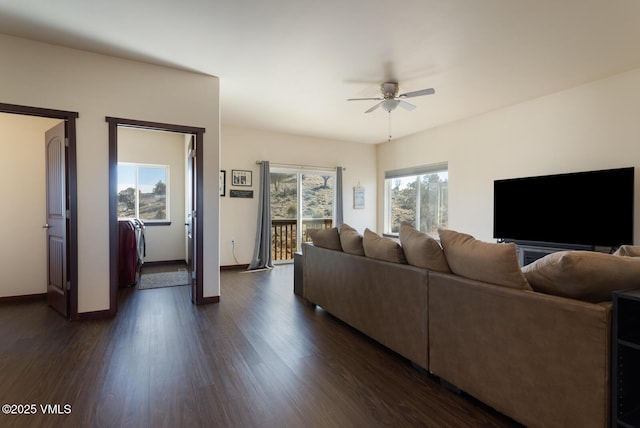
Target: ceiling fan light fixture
{"points": [[389, 104], [390, 99]]}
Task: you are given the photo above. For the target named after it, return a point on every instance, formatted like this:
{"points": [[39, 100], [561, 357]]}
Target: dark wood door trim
{"points": [[72, 239], [114, 123]]}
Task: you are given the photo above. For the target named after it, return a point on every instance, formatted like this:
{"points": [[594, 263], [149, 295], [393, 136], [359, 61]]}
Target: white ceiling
{"points": [[290, 65]]}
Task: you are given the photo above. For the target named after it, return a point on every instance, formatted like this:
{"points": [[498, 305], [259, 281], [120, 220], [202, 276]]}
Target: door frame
{"points": [[114, 123], [69, 118]]}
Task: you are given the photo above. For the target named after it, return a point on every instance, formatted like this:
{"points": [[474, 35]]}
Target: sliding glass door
{"points": [[301, 199]]}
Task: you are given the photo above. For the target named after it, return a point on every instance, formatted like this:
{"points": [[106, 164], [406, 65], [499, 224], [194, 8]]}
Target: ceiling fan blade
{"points": [[407, 106], [364, 99], [417, 93], [373, 108]]}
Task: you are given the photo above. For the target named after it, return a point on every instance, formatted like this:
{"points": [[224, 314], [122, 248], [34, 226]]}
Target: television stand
{"points": [[529, 252]]}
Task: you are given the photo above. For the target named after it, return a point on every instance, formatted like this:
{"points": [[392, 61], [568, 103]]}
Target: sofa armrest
{"points": [[541, 359]]}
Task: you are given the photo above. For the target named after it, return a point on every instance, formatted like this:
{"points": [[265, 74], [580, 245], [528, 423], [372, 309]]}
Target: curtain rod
{"points": [[299, 166]]}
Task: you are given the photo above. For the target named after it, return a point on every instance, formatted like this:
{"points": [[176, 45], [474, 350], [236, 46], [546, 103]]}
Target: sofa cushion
{"points": [[325, 238], [583, 275], [483, 261], [351, 240], [628, 250], [381, 248], [421, 250]]}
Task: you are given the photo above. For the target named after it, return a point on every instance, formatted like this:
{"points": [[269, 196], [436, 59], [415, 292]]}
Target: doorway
{"points": [[193, 223], [63, 298], [154, 211], [301, 199]]}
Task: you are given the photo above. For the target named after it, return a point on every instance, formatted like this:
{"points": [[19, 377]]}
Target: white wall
{"points": [[242, 147], [590, 127], [23, 253], [165, 242], [41, 75]]}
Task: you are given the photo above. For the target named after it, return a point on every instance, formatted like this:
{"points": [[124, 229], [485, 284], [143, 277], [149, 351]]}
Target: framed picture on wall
{"points": [[358, 197], [223, 182], [240, 178]]}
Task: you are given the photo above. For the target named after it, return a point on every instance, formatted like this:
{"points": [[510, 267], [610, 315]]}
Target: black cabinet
{"points": [[297, 274], [625, 359]]}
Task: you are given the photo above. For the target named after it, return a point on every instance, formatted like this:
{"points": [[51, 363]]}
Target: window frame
{"points": [[137, 166], [418, 172]]}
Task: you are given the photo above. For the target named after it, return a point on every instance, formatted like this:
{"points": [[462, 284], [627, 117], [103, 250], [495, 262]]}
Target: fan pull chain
{"points": [[389, 127]]}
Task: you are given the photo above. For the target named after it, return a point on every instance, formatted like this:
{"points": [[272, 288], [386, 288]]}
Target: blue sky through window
{"points": [[148, 176], [126, 176]]}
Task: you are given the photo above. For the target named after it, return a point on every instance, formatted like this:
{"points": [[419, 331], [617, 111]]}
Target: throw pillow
{"points": [[628, 250], [351, 240], [483, 261], [583, 275], [381, 248], [325, 238], [421, 250]]}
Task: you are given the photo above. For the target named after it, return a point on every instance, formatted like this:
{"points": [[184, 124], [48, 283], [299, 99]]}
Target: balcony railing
{"points": [[284, 234]]}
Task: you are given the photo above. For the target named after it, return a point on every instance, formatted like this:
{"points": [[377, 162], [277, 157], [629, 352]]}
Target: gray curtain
{"points": [[262, 252], [339, 209]]}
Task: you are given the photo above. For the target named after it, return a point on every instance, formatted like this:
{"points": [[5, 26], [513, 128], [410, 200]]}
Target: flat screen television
{"points": [[593, 208]]}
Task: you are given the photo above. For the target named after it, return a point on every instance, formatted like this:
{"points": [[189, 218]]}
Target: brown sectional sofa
{"points": [[386, 301], [541, 359]]}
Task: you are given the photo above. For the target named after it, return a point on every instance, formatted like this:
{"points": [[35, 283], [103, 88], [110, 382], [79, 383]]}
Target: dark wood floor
{"points": [[261, 357]]}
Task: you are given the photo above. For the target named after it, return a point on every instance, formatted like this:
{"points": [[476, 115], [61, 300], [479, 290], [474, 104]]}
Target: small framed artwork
{"points": [[358, 197], [240, 178], [223, 182], [246, 194]]}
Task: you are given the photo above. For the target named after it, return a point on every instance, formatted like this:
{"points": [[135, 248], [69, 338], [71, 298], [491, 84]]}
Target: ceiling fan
{"points": [[390, 98]]}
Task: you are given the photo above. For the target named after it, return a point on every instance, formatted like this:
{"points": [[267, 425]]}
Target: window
{"points": [[419, 196], [301, 199], [143, 192]]}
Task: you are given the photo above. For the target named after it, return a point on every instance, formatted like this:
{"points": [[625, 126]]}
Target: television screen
{"points": [[593, 208]]}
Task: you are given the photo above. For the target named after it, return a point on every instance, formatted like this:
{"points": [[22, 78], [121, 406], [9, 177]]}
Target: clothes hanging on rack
{"points": [[131, 251]]}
